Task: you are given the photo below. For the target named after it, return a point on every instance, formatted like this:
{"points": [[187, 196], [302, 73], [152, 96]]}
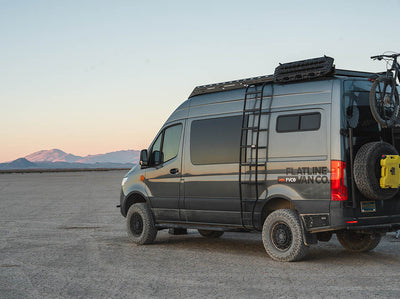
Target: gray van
{"points": [[296, 155]]}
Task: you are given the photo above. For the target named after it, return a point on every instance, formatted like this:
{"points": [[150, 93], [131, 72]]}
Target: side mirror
{"points": [[157, 158], [143, 158]]}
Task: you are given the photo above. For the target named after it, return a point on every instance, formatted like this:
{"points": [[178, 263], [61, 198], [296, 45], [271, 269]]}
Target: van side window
{"points": [[156, 151], [172, 138], [216, 140], [166, 146], [298, 122]]}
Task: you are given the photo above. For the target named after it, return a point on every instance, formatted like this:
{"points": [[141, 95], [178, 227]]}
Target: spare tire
{"points": [[367, 170]]}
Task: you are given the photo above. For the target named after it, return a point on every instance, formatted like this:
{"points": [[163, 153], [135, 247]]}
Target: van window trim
{"points": [[298, 125]]}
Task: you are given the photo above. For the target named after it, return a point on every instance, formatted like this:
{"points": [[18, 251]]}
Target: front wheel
{"points": [[140, 224], [384, 102], [358, 242], [282, 236]]}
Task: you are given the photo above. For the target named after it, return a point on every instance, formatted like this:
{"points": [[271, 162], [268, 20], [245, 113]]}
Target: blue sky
{"points": [[97, 76]]}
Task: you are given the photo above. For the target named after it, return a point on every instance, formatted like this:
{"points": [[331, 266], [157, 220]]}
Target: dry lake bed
{"points": [[61, 236]]}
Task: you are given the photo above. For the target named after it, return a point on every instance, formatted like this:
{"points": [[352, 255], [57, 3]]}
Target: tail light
{"points": [[338, 188]]}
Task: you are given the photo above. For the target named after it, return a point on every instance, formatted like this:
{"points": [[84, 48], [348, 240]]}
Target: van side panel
{"points": [[299, 160]]}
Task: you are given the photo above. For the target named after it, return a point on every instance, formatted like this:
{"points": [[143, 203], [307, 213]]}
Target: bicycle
{"points": [[384, 96]]}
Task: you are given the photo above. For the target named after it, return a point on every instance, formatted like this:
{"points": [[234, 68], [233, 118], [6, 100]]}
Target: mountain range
{"points": [[58, 159]]}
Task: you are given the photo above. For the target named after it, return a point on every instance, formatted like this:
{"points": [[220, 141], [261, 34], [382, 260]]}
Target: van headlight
{"points": [[124, 181]]}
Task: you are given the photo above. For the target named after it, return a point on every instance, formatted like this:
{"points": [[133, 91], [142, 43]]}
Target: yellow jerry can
{"points": [[390, 171]]}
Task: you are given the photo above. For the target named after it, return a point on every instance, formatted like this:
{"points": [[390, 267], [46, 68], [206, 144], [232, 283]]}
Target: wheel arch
{"points": [[132, 198], [273, 204]]}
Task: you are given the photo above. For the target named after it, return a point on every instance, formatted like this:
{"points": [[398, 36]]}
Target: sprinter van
{"points": [[296, 155]]}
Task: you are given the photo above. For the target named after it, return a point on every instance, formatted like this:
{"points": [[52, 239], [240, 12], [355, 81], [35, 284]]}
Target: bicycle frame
{"points": [[384, 98], [395, 67], [393, 73]]}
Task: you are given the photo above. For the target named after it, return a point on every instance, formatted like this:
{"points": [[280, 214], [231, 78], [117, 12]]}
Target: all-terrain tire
{"points": [[357, 242], [140, 224], [282, 236], [367, 170], [210, 233], [376, 101]]}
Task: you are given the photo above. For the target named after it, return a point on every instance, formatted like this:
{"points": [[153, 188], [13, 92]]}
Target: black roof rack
{"points": [[230, 85], [288, 72]]}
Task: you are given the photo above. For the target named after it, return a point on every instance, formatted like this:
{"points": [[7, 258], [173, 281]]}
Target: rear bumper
{"points": [[389, 223], [320, 222]]}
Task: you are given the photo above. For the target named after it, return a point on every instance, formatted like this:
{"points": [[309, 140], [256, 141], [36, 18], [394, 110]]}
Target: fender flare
{"points": [[132, 198]]}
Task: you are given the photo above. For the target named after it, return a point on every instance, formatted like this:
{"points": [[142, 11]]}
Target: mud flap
{"points": [[308, 238]]}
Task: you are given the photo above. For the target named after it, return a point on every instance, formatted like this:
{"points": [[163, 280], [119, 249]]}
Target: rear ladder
{"points": [[253, 150]]}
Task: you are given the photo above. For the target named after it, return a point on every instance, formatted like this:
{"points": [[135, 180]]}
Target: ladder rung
{"points": [[253, 146], [254, 110], [251, 110], [253, 164], [254, 129], [249, 128]]}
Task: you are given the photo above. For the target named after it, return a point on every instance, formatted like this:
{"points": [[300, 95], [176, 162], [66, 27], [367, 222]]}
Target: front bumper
{"points": [[122, 203]]}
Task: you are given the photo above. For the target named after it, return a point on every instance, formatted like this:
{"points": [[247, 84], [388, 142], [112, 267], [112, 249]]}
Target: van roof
{"points": [[304, 70]]}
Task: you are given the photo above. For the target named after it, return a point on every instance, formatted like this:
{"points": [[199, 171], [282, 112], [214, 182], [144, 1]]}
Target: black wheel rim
{"points": [[281, 236], [136, 224]]}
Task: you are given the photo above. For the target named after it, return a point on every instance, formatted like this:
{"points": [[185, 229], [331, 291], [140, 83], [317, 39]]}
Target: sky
{"points": [[91, 77]]}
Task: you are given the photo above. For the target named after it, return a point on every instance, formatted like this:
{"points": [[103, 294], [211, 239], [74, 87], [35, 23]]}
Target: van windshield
{"points": [[357, 112]]}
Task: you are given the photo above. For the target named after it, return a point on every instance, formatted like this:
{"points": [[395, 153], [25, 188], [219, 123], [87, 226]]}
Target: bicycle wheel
{"points": [[384, 102]]}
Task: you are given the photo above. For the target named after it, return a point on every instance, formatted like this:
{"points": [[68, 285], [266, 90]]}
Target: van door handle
{"points": [[174, 171]]}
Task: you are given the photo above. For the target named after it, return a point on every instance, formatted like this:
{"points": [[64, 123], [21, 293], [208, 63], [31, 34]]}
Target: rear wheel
{"points": [[140, 224], [282, 236], [384, 102], [358, 242], [210, 233]]}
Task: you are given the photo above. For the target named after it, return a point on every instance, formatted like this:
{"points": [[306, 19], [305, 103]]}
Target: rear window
{"points": [[357, 111], [298, 122]]}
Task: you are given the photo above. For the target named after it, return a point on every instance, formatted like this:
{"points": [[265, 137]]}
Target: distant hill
{"points": [[20, 163], [58, 159], [127, 156], [56, 155]]}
